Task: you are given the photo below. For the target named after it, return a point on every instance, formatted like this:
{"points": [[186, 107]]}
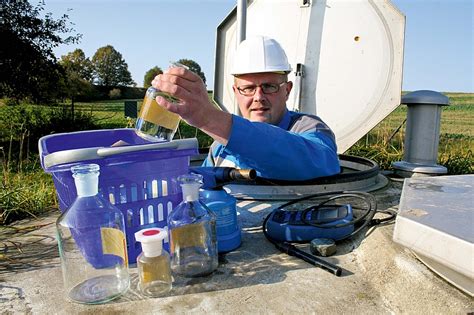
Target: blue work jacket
{"points": [[300, 147]]}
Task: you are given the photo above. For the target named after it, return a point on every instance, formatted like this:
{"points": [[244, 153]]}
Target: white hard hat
{"points": [[260, 54]]}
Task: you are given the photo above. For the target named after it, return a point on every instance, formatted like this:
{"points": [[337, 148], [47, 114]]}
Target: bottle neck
{"points": [[87, 184], [190, 192], [152, 249]]}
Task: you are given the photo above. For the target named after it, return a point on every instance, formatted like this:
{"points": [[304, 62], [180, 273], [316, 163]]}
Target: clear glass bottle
{"points": [[192, 226], [154, 270], [155, 123], [92, 243]]}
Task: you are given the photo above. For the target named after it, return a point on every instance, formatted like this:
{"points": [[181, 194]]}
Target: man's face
{"points": [[262, 107]]}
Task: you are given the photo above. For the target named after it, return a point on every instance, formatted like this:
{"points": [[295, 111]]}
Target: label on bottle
{"points": [[191, 235], [114, 243]]}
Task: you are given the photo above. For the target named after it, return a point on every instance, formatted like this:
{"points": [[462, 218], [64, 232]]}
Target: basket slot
{"points": [[160, 212], [154, 188], [129, 218], [133, 192], [142, 216], [150, 215], [141, 193], [110, 194], [122, 194], [149, 189], [170, 207], [164, 187]]}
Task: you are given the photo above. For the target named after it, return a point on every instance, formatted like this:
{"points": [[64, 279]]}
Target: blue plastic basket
{"points": [[138, 178]]}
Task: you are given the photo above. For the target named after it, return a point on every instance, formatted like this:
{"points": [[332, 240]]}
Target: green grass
{"points": [[24, 192]]}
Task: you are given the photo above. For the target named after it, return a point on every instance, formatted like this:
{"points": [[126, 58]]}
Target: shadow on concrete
{"points": [[28, 245]]}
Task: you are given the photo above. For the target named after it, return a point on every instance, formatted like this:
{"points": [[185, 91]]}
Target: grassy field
{"points": [[25, 190]]}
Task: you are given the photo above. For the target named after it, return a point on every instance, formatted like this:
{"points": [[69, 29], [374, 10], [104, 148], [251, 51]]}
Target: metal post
{"points": [[241, 20], [422, 134]]}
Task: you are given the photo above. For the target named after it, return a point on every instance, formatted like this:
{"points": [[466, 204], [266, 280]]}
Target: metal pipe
{"points": [[241, 20], [422, 134], [297, 87]]}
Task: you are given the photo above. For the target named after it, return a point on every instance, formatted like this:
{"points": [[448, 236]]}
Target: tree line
{"points": [[29, 69]]}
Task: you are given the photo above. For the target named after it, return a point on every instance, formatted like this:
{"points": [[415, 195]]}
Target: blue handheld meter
{"points": [[332, 222]]}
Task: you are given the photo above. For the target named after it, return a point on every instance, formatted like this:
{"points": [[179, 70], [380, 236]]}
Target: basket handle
{"points": [[175, 144]]}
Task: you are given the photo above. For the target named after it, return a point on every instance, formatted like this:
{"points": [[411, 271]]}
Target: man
{"points": [[276, 142]]}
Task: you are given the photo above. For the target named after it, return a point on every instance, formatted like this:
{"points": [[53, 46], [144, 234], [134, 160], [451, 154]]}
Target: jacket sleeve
{"points": [[280, 154]]}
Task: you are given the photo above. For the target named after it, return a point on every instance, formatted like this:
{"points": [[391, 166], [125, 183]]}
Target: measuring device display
{"points": [[333, 222]]}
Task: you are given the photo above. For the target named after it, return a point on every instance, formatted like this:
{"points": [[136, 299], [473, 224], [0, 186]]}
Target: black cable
{"points": [[291, 250], [367, 216]]}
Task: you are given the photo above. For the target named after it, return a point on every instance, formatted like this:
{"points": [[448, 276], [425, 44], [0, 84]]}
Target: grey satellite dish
{"points": [[351, 54]]}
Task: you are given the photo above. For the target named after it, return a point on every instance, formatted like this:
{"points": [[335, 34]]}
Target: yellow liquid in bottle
{"points": [[192, 235], [190, 247], [155, 274], [155, 122]]}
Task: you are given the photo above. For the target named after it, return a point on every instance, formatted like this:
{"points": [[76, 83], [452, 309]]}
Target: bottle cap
{"points": [[152, 240], [86, 179], [190, 184]]}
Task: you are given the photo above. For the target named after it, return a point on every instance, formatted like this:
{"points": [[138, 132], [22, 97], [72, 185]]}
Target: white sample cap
{"points": [[190, 184], [152, 240], [86, 179]]}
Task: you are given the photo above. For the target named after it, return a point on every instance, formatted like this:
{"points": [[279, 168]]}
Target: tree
{"points": [[77, 62], [150, 75], [27, 62], [78, 75], [194, 67], [110, 69]]}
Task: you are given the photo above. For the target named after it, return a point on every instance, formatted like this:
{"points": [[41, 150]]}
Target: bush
{"points": [[23, 125], [25, 190], [115, 94]]}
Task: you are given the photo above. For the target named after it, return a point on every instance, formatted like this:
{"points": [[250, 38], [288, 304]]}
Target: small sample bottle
{"points": [[153, 263], [155, 123], [192, 226], [92, 243]]}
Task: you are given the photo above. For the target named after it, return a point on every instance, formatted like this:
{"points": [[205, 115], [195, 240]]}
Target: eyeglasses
{"points": [[267, 88]]}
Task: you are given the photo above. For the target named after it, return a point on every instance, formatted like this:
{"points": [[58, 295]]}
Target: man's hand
{"points": [[194, 105]]}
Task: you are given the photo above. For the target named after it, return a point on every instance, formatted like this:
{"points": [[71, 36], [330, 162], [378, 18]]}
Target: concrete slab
{"points": [[379, 276]]}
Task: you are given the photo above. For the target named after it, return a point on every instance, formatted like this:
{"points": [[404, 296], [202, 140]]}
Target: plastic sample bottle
{"points": [[192, 228], [227, 228], [92, 243], [153, 263]]}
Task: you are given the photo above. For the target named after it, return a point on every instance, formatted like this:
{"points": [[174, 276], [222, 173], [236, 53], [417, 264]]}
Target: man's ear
{"points": [[289, 86], [234, 88]]}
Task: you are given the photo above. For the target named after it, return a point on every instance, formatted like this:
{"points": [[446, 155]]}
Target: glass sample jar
{"points": [[192, 228], [92, 243], [155, 123], [153, 263]]}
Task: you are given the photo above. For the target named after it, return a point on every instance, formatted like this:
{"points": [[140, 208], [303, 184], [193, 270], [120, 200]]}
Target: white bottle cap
{"points": [[190, 184], [190, 191], [86, 178], [152, 240]]}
